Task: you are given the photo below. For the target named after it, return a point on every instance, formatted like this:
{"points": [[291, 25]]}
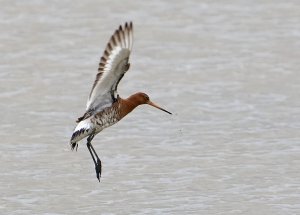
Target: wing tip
{"points": [[122, 36]]}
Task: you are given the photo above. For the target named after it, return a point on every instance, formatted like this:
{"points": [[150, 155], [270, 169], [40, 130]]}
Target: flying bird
{"points": [[104, 105]]}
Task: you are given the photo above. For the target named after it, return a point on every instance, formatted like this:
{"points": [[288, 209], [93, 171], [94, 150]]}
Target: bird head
{"points": [[143, 98]]}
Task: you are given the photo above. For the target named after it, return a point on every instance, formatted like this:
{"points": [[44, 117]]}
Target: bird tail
{"points": [[73, 145], [82, 130]]}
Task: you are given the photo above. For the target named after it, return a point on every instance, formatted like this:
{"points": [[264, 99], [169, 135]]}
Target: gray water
{"points": [[228, 70]]}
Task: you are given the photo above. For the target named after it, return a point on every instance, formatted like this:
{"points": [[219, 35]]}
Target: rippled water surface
{"points": [[228, 70]]}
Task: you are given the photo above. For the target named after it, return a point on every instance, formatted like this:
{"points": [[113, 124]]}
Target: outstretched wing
{"points": [[112, 67]]}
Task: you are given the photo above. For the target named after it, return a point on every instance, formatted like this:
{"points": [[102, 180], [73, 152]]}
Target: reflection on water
{"points": [[228, 72]]}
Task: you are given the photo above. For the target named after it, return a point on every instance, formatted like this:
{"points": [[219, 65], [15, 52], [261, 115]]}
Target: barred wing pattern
{"points": [[112, 67]]}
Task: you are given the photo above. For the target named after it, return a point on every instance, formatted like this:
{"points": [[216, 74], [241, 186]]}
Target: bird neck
{"points": [[128, 105]]}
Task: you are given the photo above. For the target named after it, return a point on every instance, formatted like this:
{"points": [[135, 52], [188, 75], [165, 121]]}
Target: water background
{"points": [[228, 70]]}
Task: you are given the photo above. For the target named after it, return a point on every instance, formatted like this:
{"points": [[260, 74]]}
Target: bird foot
{"points": [[98, 169]]}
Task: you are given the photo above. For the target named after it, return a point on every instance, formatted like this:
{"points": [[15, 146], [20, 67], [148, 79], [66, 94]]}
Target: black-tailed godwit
{"points": [[104, 105]]}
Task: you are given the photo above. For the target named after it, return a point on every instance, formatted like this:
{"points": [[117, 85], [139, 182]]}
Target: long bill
{"points": [[156, 106]]}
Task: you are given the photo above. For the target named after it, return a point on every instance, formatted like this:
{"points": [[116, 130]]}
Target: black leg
{"points": [[98, 165]]}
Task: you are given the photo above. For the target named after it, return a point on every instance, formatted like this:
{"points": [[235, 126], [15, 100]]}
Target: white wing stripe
{"points": [[112, 67]]}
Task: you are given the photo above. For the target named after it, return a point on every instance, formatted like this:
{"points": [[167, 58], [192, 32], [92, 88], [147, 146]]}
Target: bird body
{"points": [[107, 117], [95, 124], [104, 106]]}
